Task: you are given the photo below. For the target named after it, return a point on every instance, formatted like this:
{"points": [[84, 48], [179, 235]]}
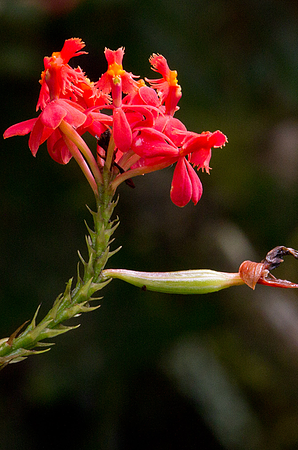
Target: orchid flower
{"points": [[167, 87], [117, 81], [60, 117]]}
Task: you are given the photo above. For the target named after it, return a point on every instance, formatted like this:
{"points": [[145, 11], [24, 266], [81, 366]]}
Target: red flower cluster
{"points": [[138, 119]]}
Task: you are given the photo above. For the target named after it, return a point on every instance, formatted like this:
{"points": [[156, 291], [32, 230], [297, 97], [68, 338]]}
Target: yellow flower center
{"points": [[115, 70], [172, 78]]}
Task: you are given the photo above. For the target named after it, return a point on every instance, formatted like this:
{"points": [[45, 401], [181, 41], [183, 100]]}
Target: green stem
{"points": [[75, 300]]}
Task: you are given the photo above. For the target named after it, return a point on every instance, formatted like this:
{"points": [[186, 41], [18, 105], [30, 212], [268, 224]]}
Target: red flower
{"points": [[173, 144], [198, 146], [115, 79], [145, 135], [60, 116], [58, 78], [42, 128], [167, 87]]}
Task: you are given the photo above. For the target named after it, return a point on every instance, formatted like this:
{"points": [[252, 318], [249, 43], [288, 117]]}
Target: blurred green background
{"points": [[151, 371]]}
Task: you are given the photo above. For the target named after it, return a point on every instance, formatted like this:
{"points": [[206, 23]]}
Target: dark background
{"points": [[146, 370]]}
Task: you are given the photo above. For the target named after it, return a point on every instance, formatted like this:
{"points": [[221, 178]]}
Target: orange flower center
{"points": [[172, 78], [115, 70]]}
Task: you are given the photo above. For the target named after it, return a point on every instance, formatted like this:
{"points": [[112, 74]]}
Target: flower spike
{"points": [[145, 136]]}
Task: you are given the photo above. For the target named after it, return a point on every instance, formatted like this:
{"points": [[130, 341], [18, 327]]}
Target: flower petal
{"points": [[20, 129], [36, 136], [57, 148], [154, 161], [149, 96], [172, 128], [181, 188], [152, 143], [71, 48], [75, 114], [52, 115], [201, 158], [114, 56], [197, 188], [160, 65], [217, 139], [121, 131]]}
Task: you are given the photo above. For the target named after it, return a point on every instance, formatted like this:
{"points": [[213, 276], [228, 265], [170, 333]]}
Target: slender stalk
{"points": [[81, 162], [138, 171], [69, 131], [110, 153], [128, 159]]}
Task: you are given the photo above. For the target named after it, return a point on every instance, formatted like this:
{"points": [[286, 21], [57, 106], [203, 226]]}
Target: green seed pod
{"points": [[201, 281]]}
